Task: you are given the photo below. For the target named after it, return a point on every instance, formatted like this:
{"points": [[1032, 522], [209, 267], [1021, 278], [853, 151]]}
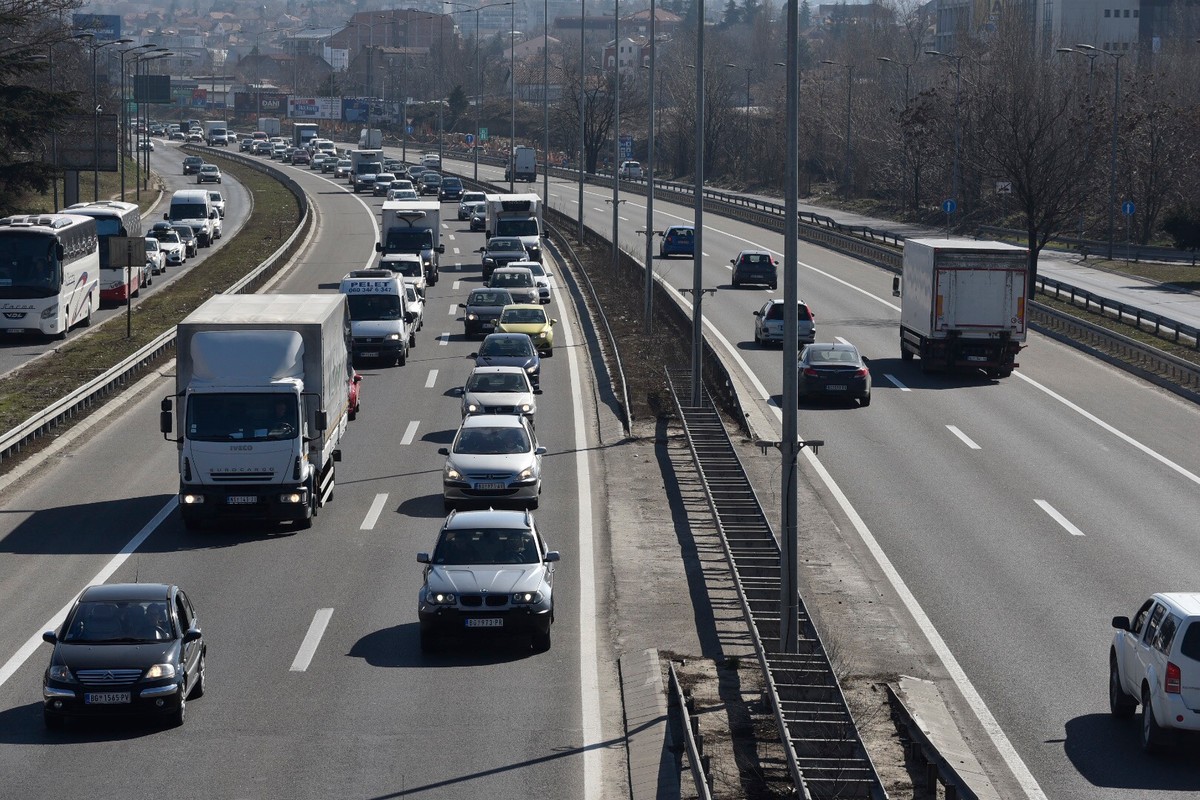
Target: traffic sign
{"points": [[408, 129], [483, 134], [1127, 208], [949, 206], [470, 138], [1003, 187]]}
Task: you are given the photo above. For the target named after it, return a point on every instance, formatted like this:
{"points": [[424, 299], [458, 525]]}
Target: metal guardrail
{"points": [[938, 769], [1122, 251], [825, 755], [82, 400], [680, 708], [1159, 326]]}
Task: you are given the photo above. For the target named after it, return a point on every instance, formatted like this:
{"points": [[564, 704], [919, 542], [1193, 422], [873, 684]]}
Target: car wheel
{"points": [[412, 339], [177, 717], [865, 400], [1119, 703], [138, 290], [737, 284], [201, 680], [402, 357], [772, 287], [1153, 736], [541, 641], [54, 722]]}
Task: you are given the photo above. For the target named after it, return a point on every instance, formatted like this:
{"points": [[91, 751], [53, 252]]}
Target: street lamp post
{"points": [[512, 74], [1112, 161], [1091, 57], [138, 61], [546, 102], [907, 68], [616, 175], [849, 97], [90, 39], [954, 175], [478, 79], [582, 104], [698, 219], [745, 159], [648, 300], [125, 113]]}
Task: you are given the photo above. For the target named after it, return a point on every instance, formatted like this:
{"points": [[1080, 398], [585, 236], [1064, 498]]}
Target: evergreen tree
{"points": [[751, 10], [805, 15], [733, 14]]}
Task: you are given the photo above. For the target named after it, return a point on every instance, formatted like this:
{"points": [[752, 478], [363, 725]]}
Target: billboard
{"points": [[354, 109], [106, 27], [89, 142], [315, 107], [152, 89]]}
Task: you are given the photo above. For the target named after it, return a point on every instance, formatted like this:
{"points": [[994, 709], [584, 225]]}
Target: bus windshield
{"points": [[242, 417], [28, 266]]}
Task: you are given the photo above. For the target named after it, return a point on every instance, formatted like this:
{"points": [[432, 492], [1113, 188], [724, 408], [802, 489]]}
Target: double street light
{"points": [[957, 59], [89, 40], [1112, 161], [849, 98], [478, 79], [139, 60], [125, 138]]}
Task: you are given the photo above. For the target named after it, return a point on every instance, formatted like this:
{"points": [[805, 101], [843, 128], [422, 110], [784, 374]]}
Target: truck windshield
{"points": [[408, 240], [370, 167], [517, 227], [374, 306], [242, 417]]}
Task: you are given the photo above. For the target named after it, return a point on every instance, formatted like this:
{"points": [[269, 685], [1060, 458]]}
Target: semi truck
{"points": [[962, 304], [269, 125], [370, 139], [522, 164], [303, 133], [412, 226], [215, 133], [364, 162], [516, 215], [262, 385]]}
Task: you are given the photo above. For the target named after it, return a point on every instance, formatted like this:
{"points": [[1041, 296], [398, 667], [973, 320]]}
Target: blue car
{"points": [[677, 240]]}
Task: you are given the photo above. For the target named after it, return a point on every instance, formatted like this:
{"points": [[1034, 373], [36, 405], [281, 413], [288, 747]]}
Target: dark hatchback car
{"points": [[754, 267], [192, 164], [125, 649], [188, 236], [500, 252], [451, 191], [828, 369], [482, 309], [677, 240], [510, 350]]}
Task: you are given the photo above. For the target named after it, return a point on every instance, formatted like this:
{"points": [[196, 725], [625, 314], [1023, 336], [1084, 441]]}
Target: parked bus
{"points": [[49, 273], [113, 218]]}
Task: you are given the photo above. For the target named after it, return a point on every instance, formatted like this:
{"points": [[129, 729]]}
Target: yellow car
{"points": [[531, 319]]}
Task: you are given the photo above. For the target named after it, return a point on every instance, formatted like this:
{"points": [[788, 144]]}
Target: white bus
{"points": [[49, 273], [113, 218]]}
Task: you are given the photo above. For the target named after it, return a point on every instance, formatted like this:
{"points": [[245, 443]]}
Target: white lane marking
{"points": [[34, 643], [456, 284], [626, 219], [432, 379], [454, 309], [896, 382], [597, 209], [965, 439], [444, 339], [308, 647], [457, 252], [842, 339], [410, 432], [589, 680], [448, 236], [1191, 476], [373, 512], [1058, 517]]}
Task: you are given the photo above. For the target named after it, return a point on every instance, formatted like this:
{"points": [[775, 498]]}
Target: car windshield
{"points": [[491, 441], [486, 546], [185, 232], [473, 197], [497, 382], [489, 299], [152, 245], [407, 240], [168, 237], [409, 269], [520, 345], [524, 316], [242, 417], [452, 183], [537, 269], [512, 278], [119, 622], [505, 245], [374, 306]]}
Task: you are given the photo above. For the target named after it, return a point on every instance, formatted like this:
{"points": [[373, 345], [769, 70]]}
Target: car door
{"points": [[1126, 649], [1146, 656], [190, 658]]}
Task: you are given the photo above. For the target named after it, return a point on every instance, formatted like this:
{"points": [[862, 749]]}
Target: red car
{"points": [[301, 157], [355, 380]]}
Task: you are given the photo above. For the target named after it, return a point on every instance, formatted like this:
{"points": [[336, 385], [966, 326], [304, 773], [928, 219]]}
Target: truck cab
{"points": [[381, 323]]}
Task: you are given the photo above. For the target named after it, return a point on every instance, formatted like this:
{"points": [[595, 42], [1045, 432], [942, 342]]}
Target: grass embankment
{"points": [[83, 357]]}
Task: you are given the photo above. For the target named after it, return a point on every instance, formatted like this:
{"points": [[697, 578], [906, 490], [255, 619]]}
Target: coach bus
{"points": [[49, 273], [114, 218]]}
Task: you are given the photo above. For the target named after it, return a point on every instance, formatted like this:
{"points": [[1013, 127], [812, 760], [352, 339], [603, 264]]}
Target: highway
{"points": [[1019, 515], [294, 708]]}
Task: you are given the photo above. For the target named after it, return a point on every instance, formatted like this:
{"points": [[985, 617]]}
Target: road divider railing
{"points": [[84, 399], [681, 711]]}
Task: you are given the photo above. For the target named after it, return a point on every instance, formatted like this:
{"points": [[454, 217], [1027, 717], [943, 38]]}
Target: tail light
{"points": [[812, 373], [861, 372], [1174, 679]]}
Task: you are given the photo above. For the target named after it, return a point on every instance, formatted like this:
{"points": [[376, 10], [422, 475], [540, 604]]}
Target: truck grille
{"points": [[242, 477]]}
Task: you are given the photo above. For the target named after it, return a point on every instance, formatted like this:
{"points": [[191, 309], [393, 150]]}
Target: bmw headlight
{"points": [[526, 598], [160, 671], [439, 598], [61, 672]]}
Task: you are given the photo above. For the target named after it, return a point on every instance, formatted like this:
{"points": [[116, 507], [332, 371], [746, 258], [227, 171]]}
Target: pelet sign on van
{"points": [[369, 287]]}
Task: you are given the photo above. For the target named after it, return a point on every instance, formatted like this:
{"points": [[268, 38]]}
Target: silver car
{"points": [[490, 572], [499, 390], [768, 324], [494, 458]]}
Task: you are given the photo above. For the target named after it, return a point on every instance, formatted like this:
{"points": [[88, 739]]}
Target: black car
{"points": [[500, 252], [829, 369], [482, 309], [510, 350], [451, 191], [188, 236], [191, 164], [125, 649]]}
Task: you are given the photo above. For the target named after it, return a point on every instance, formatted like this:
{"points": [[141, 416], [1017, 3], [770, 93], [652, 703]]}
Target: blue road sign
{"points": [[1127, 208], [470, 138], [949, 206], [408, 129]]}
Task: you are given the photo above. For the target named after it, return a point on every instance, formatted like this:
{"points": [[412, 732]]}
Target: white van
{"points": [[194, 207], [381, 323]]}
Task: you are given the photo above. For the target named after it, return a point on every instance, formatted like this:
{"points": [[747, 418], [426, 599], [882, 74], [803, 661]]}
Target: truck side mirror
{"points": [[164, 422], [441, 248], [379, 247], [322, 420], [896, 286]]}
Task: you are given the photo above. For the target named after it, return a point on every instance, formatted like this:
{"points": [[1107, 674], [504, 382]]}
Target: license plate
{"points": [[976, 358], [242, 499], [485, 623], [836, 387], [106, 698], [368, 354], [486, 486], [14, 330], [487, 325]]}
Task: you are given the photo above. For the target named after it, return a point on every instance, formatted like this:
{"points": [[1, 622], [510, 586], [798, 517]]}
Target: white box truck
{"points": [[215, 133], [261, 403], [516, 215], [412, 226], [362, 164], [303, 133], [522, 164], [381, 324], [269, 125], [963, 304], [370, 139]]}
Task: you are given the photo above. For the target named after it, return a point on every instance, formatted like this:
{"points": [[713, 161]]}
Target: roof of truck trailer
{"points": [[264, 308], [959, 243]]}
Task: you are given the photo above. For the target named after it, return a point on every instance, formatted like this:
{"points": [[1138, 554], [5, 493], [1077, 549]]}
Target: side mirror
{"points": [[539, 451], [409, 317], [357, 378], [473, 355], [733, 261], [458, 391], [537, 391], [896, 286], [441, 248], [866, 360], [1120, 623], [379, 247], [164, 422], [322, 421], [422, 558], [49, 637], [758, 313], [443, 451], [192, 635], [166, 216], [462, 305], [552, 556], [553, 322]]}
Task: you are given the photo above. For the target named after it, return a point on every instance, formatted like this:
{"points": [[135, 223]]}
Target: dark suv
{"points": [[500, 252], [451, 191], [191, 164], [754, 267]]}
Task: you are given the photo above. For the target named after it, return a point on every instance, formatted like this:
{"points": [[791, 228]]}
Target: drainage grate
{"points": [[825, 754]]}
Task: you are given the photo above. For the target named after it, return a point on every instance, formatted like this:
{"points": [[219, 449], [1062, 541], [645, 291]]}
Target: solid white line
{"points": [[373, 512], [896, 382], [432, 379], [589, 680], [1059, 518], [410, 432], [444, 339], [456, 285], [1191, 476], [966, 439], [308, 647], [35, 641]]}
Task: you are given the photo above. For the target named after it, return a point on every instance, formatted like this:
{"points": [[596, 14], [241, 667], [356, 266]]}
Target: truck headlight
{"points": [[393, 337]]}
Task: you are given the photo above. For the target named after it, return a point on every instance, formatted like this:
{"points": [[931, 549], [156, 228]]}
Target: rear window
{"points": [[802, 312], [1191, 642]]}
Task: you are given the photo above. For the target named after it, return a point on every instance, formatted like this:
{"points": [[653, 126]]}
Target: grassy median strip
{"points": [[82, 357]]}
